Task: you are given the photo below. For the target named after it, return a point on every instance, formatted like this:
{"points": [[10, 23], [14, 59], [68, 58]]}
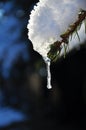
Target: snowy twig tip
{"points": [[73, 28]]}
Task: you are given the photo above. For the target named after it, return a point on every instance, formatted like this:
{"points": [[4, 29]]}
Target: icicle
{"points": [[47, 61]]}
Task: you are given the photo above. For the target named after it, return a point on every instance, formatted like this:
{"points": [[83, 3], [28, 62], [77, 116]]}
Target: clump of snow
{"points": [[49, 19]]}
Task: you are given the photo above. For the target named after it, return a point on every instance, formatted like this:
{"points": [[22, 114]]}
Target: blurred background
{"points": [[25, 102]]}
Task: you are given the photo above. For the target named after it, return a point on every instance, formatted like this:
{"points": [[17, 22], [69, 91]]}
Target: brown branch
{"points": [[72, 28]]}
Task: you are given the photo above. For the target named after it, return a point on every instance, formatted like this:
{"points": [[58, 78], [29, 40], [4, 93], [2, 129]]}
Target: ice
{"points": [[48, 61]]}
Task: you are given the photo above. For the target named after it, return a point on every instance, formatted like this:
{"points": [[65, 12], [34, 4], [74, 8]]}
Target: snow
{"points": [[9, 116], [49, 19]]}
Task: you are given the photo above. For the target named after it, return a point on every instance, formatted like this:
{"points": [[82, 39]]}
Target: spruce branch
{"points": [[55, 48]]}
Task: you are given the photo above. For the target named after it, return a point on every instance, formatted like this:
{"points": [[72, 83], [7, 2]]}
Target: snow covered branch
{"points": [[73, 28], [49, 22]]}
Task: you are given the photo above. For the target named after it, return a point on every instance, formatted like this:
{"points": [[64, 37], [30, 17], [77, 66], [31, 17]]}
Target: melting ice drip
{"points": [[48, 61]]}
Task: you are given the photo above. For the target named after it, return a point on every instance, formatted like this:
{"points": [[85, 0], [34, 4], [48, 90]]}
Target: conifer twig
{"points": [[56, 47]]}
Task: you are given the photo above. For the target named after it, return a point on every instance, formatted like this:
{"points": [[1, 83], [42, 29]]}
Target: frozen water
{"points": [[47, 61]]}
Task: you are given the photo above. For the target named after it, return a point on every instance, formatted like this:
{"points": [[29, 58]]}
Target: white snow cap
{"points": [[49, 19]]}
